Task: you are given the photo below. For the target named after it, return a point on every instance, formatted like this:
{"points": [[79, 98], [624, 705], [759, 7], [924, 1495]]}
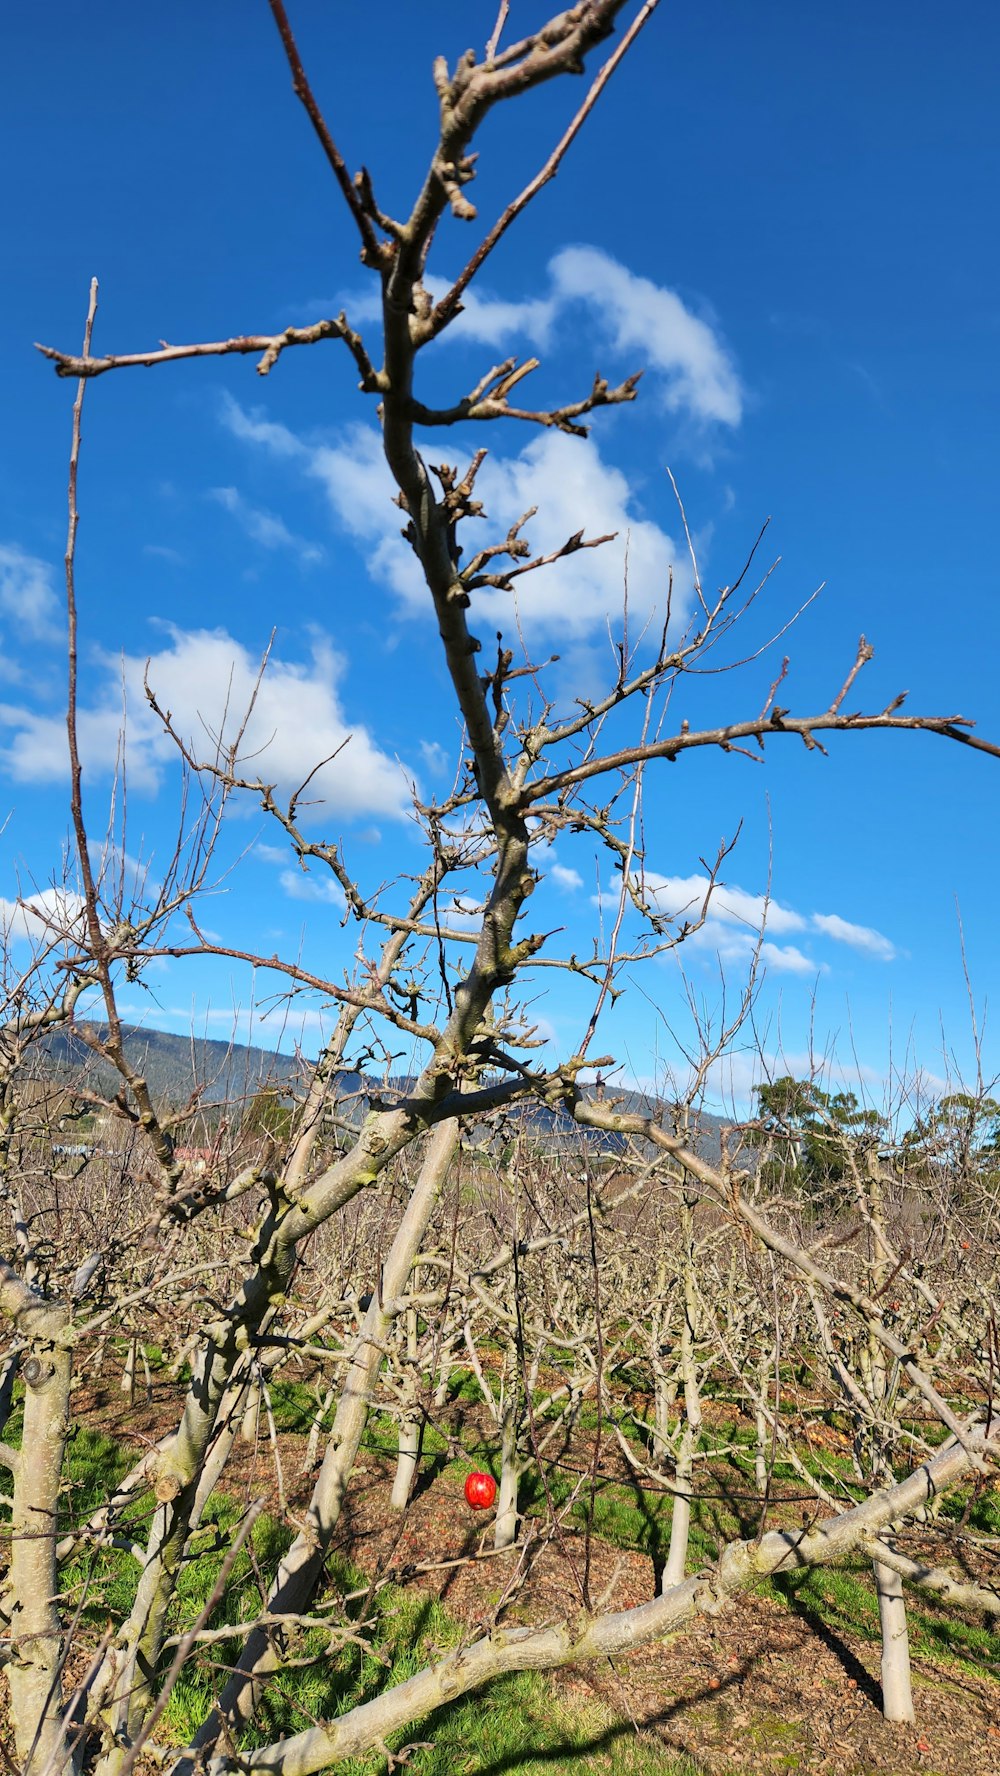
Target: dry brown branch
{"points": [[372, 250], [560, 419], [759, 728], [270, 346], [450, 304], [497, 31]]}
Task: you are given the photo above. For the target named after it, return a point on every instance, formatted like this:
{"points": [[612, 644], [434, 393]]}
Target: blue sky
{"points": [[785, 215]]}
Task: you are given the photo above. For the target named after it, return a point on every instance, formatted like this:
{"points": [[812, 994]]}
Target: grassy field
{"points": [[527, 1722], [523, 1727]]}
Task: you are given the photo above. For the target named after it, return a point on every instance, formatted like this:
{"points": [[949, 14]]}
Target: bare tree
{"points": [[447, 981]]}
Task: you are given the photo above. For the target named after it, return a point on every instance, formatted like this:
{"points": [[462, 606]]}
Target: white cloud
{"points": [[733, 1078], [434, 757], [459, 912], [53, 915], [163, 552], [256, 429], [736, 921], [635, 317], [37, 751], [27, 593], [646, 317], [352, 472], [685, 895], [789, 960], [208, 681], [860, 937], [263, 527], [120, 874], [645, 323], [355, 478], [300, 886], [569, 481], [491, 320], [566, 478], [570, 879], [737, 944]]}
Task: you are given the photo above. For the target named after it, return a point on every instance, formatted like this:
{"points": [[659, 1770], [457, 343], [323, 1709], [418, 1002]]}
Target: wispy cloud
{"points": [[434, 757], [324, 890], [27, 593], [787, 959], [564, 477], [121, 876], [737, 922], [263, 527], [860, 937], [685, 896], [51, 916], [164, 552], [568, 879], [631, 316]]}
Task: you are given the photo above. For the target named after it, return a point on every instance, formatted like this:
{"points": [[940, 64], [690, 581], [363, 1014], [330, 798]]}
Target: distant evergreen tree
{"points": [[814, 1127], [267, 1114], [960, 1135]]}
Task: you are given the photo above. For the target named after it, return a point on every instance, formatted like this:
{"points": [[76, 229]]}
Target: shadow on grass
{"points": [[810, 1614], [530, 1740], [430, 1469]]}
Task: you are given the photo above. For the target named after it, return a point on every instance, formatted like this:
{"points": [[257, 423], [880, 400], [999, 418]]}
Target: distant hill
{"points": [[174, 1066]]}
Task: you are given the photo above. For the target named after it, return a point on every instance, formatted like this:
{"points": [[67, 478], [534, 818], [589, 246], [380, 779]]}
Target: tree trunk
{"points": [[664, 1411], [406, 1463], [303, 1564], [897, 1695], [445, 1362], [250, 1421], [408, 1447], [29, 1604], [680, 1521], [505, 1528], [128, 1373]]}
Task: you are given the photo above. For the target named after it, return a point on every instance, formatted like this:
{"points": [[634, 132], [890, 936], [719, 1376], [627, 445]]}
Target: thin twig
{"points": [[447, 307], [270, 345], [372, 247], [497, 32]]}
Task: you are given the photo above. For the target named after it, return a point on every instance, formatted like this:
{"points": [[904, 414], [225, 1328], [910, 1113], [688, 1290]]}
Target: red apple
{"points": [[480, 1491]]}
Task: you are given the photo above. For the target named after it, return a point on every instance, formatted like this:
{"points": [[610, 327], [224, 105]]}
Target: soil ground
{"points": [[763, 1687]]}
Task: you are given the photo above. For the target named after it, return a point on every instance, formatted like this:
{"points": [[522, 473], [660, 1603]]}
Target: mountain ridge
{"points": [[222, 1072]]}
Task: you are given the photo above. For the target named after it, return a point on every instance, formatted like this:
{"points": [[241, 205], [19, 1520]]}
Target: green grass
{"points": [[518, 1724], [843, 1602], [518, 1727]]}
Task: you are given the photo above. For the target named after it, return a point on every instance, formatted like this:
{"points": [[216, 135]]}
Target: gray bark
{"points": [[897, 1692], [302, 1565], [505, 1527], [406, 1463], [408, 1447], [29, 1602], [680, 1520]]}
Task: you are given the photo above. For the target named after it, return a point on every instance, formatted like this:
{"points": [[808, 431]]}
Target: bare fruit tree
{"points": [[215, 1258]]}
